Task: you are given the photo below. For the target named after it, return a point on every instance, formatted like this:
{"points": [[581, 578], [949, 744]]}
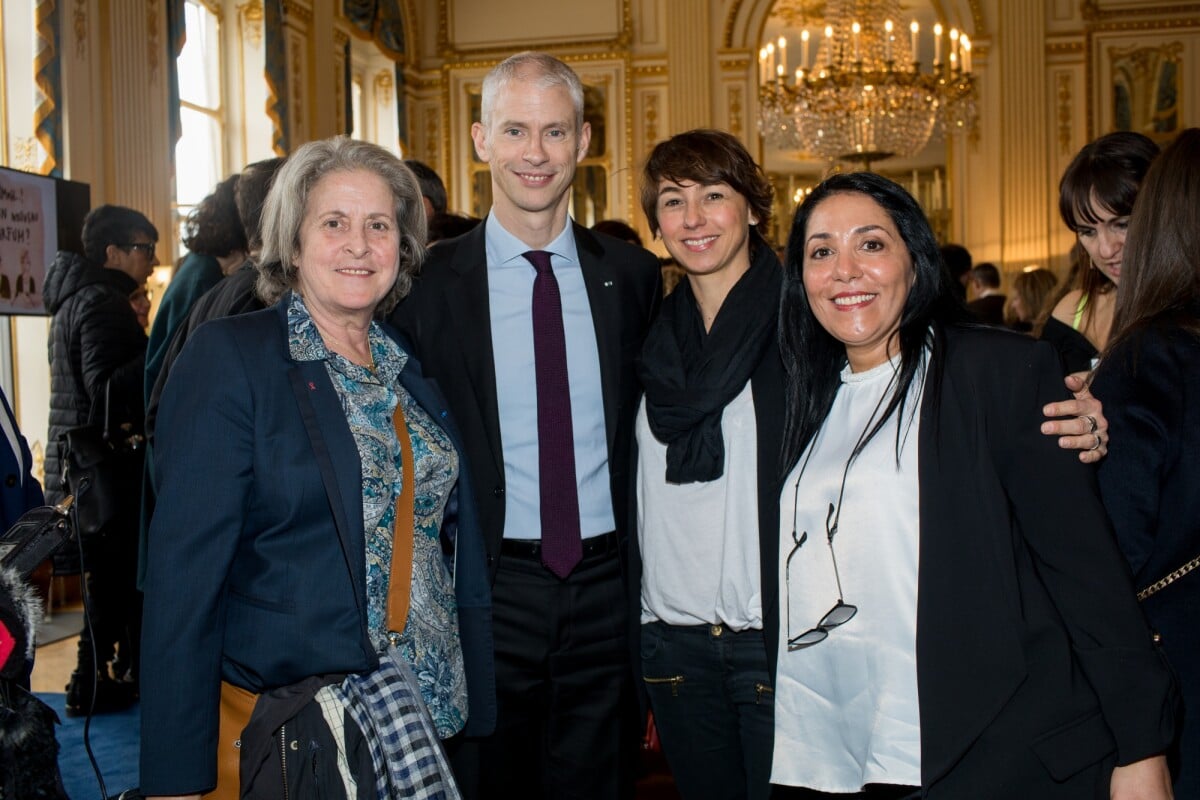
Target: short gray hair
{"points": [[287, 203], [543, 69]]}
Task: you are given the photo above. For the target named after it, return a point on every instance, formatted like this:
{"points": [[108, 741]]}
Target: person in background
{"points": [[958, 261], [548, 421], [618, 229], [233, 294], [987, 303], [20, 490], [328, 571], [1150, 383], [1095, 198], [707, 470], [433, 190], [97, 369], [216, 246], [957, 621], [1031, 292], [139, 301]]}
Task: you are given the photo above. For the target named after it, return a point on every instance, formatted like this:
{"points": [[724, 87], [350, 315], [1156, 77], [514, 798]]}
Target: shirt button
{"points": [[498, 491]]}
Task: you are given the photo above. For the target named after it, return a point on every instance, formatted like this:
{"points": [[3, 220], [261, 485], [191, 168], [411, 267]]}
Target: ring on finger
{"points": [[1091, 421], [1096, 446]]}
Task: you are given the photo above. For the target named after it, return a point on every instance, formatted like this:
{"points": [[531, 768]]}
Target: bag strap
{"points": [[1168, 579]]}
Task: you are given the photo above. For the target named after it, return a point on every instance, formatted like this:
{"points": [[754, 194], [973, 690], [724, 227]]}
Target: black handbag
{"points": [[37, 535], [97, 465]]}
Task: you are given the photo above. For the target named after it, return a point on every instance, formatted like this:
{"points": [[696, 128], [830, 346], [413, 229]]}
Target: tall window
{"points": [[199, 155]]}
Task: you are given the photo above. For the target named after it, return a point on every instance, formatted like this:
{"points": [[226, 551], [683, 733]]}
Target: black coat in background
{"points": [[1150, 481]]}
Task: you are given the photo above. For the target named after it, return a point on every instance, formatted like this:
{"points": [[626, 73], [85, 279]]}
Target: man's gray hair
{"points": [[543, 69]]}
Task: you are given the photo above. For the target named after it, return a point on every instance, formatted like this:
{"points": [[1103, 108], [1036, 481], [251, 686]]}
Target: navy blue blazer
{"points": [[256, 558], [19, 490]]}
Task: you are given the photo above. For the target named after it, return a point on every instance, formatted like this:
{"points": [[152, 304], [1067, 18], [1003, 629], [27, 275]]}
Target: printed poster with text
{"points": [[28, 240]]}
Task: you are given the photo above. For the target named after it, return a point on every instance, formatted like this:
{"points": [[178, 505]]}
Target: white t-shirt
{"points": [[699, 541]]}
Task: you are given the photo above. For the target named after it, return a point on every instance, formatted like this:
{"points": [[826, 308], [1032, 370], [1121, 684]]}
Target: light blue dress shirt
{"points": [[510, 298]]}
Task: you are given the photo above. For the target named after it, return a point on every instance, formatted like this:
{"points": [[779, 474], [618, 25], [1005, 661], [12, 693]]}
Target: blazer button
{"points": [[10, 481], [491, 560], [498, 492]]}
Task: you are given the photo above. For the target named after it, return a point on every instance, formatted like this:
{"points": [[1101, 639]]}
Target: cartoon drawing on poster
{"points": [[28, 240]]}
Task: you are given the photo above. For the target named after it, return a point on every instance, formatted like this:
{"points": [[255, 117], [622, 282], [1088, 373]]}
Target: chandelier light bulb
{"points": [[866, 99]]}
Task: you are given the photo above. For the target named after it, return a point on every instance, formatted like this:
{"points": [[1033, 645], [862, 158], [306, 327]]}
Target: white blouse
{"points": [[846, 710], [699, 541]]}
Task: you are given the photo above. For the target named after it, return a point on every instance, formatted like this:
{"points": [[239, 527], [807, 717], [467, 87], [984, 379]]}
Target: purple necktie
{"points": [[561, 545]]}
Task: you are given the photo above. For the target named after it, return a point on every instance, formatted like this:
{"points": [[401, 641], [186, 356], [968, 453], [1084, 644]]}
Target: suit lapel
{"points": [[337, 459], [466, 300], [603, 295]]}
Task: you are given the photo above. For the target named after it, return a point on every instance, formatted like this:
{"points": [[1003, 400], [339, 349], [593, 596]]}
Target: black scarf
{"points": [[690, 376]]}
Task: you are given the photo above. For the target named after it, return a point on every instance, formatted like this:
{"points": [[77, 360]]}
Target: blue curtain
{"points": [[381, 21], [276, 75], [47, 76]]}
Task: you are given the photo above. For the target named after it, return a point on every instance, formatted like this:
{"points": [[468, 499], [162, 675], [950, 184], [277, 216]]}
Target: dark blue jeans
{"points": [[714, 706]]}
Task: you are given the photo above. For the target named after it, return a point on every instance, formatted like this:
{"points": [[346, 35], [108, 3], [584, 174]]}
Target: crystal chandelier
{"points": [[862, 95]]}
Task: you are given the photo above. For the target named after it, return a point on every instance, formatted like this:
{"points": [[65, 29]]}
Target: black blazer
{"points": [[1028, 634], [446, 316], [1150, 480]]}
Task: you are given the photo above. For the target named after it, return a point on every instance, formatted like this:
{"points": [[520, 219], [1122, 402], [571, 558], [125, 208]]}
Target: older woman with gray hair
{"points": [[316, 590]]}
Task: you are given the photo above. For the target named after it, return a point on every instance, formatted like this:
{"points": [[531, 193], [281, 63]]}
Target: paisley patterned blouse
{"points": [[430, 640]]}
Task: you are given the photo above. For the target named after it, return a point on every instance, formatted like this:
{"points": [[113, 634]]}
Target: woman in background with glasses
{"points": [[957, 619], [707, 469]]}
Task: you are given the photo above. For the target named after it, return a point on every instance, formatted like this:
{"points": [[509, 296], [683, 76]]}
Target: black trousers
{"points": [[566, 723]]}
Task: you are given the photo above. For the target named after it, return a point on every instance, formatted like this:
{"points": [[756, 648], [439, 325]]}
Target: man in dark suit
{"points": [[549, 451], [988, 303]]}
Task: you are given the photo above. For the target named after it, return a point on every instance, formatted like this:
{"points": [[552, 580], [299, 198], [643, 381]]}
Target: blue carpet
{"points": [[114, 739]]}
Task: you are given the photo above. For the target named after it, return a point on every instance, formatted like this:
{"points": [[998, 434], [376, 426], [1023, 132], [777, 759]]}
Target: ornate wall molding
{"points": [[153, 45], [448, 52], [250, 22], [384, 84], [79, 17], [1093, 13], [1063, 95]]}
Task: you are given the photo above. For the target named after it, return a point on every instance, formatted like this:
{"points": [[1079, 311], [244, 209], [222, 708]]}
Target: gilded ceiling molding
{"points": [[1123, 25], [80, 17], [1093, 13], [250, 18], [1064, 112]]}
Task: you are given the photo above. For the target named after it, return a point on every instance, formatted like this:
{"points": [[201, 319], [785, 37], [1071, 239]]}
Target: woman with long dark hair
{"points": [[1149, 380], [1095, 198], [955, 621]]}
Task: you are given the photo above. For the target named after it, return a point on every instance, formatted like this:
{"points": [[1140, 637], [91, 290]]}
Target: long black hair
{"points": [[812, 357]]}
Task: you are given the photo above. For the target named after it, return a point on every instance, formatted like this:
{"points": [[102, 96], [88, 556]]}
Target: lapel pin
{"points": [[608, 283], [312, 387]]}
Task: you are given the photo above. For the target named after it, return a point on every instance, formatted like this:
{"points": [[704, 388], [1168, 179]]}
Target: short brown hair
{"points": [[706, 157]]}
